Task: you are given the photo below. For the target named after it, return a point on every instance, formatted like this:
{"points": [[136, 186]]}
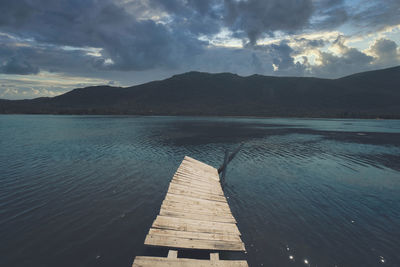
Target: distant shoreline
{"points": [[207, 116]]}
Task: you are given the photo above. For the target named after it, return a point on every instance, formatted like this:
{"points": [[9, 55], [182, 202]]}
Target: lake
{"points": [[84, 190]]}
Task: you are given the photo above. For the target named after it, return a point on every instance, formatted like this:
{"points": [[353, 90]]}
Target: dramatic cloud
{"points": [[128, 43], [133, 41], [18, 66], [372, 15], [386, 52], [257, 17]]}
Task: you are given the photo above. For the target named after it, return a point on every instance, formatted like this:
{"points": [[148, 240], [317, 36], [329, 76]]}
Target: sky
{"points": [[49, 47]]}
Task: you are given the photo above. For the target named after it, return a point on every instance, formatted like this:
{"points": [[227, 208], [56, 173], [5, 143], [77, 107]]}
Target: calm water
{"points": [[84, 190]]}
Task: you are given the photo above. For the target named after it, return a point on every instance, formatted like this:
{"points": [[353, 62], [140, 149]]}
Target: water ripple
{"points": [[83, 190]]}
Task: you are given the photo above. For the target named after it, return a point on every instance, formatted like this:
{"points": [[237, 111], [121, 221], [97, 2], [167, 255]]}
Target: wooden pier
{"points": [[194, 215]]}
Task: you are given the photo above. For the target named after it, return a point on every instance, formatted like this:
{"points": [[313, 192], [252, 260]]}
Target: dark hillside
{"points": [[369, 94]]}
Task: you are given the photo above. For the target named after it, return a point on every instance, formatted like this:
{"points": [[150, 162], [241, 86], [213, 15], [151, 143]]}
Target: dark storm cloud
{"points": [[283, 59], [258, 17], [13, 59], [28, 58], [132, 44], [366, 15], [374, 15], [279, 58], [14, 12], [145, 35], [128, 39], [243, 61], [146, 44], [18, 66], [329, 14], [196, 16], [281, 54]]}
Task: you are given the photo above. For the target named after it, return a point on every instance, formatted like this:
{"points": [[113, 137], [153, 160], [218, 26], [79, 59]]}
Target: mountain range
{"points": [[370, 94]]}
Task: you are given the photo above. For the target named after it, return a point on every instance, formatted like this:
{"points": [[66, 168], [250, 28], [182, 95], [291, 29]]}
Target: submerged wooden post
{"points": [[194, 215], [223, 167], [228, 158]]}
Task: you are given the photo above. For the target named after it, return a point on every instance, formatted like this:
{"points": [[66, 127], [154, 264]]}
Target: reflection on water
{"points": [[84, 190]]}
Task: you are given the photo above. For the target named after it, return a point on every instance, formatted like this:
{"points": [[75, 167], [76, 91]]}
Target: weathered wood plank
{"points": [[214, 190], [202, 182], [146, 261], [197, 209], [200, 206], [195, 235], [198, 165], [205, 196], [187, 158], [194, 216], [187, 166], [181, 224], [202, 189], [196, 201], [177, 242], [194, 194], [202, 164], [195, 169], [200, 177], [197, 178], [194, 189]]}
